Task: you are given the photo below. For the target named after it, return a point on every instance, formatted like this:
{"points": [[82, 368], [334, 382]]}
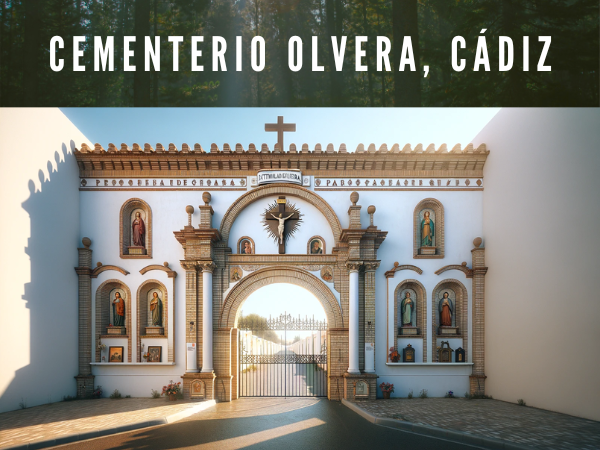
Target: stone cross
{"points": [[273, 220], [280, 127]]}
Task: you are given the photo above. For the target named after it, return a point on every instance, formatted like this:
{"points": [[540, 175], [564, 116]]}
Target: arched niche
{"points": [[147, 331], [250, 224], [419, 315], [288, 190], [460, 325], [132, 212], [432, 244], [105, 295]]}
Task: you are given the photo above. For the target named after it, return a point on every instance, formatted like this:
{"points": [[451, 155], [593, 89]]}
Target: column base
{"points": [[223, 388], [477, 384], [199, 386], [350, 380], [85, 386]]}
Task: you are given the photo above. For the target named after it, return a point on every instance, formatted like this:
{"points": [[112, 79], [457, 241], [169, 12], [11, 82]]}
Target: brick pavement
{"points": [[57, 420], [531, 427]]}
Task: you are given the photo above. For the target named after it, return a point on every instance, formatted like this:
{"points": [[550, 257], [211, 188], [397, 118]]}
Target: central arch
{"points": [[280, 274], [279, 189]]}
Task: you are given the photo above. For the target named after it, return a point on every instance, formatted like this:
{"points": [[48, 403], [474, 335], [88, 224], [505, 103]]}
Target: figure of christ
{"points": [[446, 311], [118, 306], [427, 231], [156, 309], [138, 231], [281, 225], [406, 307]]}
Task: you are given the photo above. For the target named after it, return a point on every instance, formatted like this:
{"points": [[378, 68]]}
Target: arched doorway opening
{"points": [[282, 343], [290, 275]]}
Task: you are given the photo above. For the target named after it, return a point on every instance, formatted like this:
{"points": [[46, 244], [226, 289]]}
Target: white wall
{"points": [[541, 216], [463, 222], [39, 238]]}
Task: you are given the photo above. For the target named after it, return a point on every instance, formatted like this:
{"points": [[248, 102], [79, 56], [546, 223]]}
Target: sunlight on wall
{"points": [[39, 196]]}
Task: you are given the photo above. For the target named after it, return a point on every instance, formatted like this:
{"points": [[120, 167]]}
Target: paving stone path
{"points": [[526, 426], [55, 420]]}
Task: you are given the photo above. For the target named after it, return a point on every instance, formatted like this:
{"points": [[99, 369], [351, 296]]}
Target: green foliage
{"points": [[423, 393], [478, 396], [26, 27], [410, 394], [521, 402], [258, 325], [128, 396], [154, 394], [115, 395], [69, 398]]}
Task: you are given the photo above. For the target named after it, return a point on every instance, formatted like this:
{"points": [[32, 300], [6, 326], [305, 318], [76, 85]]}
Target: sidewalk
{"points": [[490, 423], [63, 422]]}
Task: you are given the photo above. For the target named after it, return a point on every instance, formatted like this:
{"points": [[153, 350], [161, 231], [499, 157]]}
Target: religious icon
{"points": [[246, 247], [154, 354], [236, 274], [316, 247], [327, 273], [138, 231], [115, 354], [281, 220], [118, 307], [446, 311], [407, 306], [156, 308], [427, 230], [281, 225]]}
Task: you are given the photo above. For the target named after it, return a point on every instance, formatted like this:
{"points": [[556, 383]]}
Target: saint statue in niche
{"points": [[246, 247], [118, 307], [427, 230], [407, 307], [316, 247], [446, 311], [156, 307], [138, 231]]}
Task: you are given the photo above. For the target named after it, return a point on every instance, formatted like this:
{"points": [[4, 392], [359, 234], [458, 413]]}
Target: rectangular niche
{"points": [[416, 344]]}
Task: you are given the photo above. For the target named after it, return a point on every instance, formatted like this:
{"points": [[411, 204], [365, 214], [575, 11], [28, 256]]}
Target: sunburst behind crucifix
{"points": [[281, 220]]}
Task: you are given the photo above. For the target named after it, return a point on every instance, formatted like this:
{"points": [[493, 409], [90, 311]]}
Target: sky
{"points": [[280, 298], [350, 126]]}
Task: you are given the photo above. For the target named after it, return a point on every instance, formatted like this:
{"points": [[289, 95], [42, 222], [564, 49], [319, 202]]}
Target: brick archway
{"points": [[279, 189], [280, 274]]}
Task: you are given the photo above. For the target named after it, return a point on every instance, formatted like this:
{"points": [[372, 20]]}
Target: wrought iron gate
{"points": [[272, 364]]}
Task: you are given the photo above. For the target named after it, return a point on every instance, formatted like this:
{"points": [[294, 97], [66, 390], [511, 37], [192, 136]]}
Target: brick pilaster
{"points": [[477, 379], [85, 379]]}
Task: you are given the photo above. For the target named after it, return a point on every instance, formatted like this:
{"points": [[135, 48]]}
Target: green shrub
{"points": [[521, 402], [410, 394], [116, 394], [155, 394], [423, 393]]}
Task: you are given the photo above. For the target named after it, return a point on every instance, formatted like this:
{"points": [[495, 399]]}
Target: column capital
{"points": [[190, 265], [353, 266], [371, 266], [207, 266]]}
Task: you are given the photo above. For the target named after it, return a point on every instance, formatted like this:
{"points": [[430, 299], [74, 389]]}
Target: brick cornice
{"points": [[397, 267], [163, 162], [462, 267]]}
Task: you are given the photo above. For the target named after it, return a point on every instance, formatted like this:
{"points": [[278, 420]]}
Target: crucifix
{"points": [[281, 222], [280, 127]]}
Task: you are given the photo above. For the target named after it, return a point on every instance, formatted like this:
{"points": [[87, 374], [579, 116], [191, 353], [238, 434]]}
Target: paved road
{"points": [[269, 423]]}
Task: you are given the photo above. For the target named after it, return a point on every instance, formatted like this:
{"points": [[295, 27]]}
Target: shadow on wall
{"points": [[52, 294]]}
